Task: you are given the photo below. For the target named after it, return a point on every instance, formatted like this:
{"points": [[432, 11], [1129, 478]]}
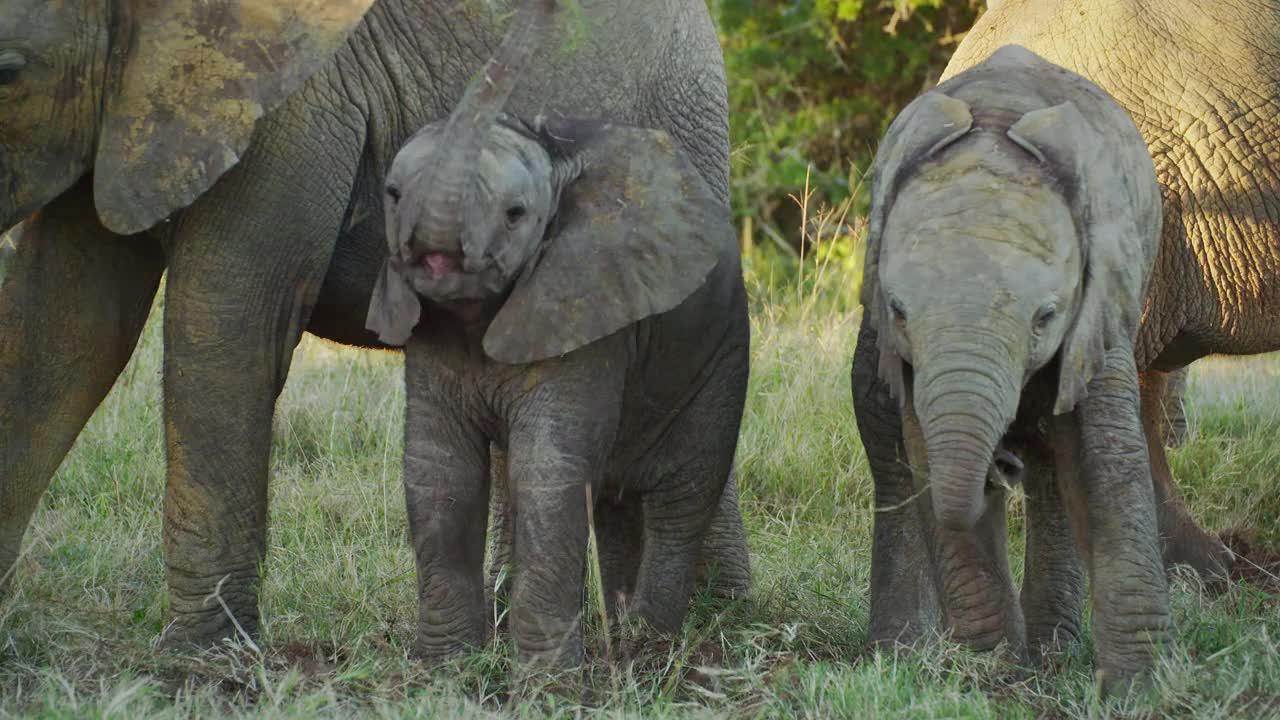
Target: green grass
{"points": [[78, 630]]}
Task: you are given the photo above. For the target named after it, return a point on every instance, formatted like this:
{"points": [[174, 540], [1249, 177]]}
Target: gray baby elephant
{"points": [[569, 291], [1014, 223]]}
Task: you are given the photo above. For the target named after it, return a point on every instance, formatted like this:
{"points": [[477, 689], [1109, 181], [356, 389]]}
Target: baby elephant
{"points": [[582, 308], [1014, 223]]}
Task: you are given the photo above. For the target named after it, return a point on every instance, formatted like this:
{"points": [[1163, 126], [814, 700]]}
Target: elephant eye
{"points": [[393, 192], [899, 312], [1045, 316], [11, 63], [514, 214]]}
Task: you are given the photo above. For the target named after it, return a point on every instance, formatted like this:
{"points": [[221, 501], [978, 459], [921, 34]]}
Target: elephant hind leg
{"points": [[497, 576], [619, 526], [73, 302], [724, 560], [1053, 583], [1182, 541]]}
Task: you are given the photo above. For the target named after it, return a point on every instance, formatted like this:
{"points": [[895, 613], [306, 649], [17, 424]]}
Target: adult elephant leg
{"points": [[724, 558], [1174, 414], [1053, 580], [246, 263], [1105, 477], [1182, 541], [904, 598], [73, 301]]}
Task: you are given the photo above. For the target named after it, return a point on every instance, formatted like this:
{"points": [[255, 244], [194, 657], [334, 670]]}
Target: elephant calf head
{"points": [[1006, 239], [573, 228]]}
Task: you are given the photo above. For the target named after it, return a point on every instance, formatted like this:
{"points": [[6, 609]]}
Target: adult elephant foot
{"points": [[1182, 540]]}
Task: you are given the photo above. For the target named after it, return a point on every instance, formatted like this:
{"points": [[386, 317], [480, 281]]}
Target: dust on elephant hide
{"points": [[241, 147], [1014, 222]]}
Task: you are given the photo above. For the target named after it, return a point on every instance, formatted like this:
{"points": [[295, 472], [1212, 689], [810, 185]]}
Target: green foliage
{"points": [[814, 83]]}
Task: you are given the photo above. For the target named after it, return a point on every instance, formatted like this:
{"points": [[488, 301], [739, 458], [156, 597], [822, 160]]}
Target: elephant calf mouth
{"points": [[441, 264]]}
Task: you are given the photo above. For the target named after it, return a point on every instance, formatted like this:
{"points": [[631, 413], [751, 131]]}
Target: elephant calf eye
{"points": [[514, 213], [1045, 316], [11, 63], [393, 192], [899, 312]]}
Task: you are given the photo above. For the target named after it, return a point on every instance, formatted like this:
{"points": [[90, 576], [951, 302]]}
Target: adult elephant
{"points": [[241, 146], [1202, 83]]}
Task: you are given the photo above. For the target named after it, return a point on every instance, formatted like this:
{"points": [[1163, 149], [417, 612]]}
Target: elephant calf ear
{"points": [[191, 78], [1111, 184], [928, 124], [394, 309], [636, 233]]}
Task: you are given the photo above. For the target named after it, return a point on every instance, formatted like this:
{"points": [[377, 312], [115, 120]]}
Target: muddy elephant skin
{"points": [[242, 147]]}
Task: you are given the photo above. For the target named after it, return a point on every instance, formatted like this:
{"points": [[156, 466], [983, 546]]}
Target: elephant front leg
{"points": [[1113, 511], [557, 450], [73, 300], [1182, 540], [904, 599], [981, 608], [1053, 580], [246, 264], [724, 558], [446, 486]]}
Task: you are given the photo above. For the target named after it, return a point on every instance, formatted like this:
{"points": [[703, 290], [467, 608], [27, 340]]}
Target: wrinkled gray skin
{"points": [[1201, 82], [289, 239], [647, 417], [578, 304], [1015, 217]]}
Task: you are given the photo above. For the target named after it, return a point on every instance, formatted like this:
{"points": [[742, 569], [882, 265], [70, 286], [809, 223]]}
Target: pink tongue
{"points": [[440, 264]]}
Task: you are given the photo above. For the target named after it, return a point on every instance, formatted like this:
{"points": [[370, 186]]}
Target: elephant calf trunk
{"points": [[961, 430]]}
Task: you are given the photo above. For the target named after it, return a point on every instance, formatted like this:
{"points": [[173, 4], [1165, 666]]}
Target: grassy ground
{"points": [[86, 607]]}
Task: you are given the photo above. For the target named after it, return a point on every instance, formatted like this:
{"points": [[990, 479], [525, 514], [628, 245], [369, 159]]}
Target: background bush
{"points": [[813, 84]]}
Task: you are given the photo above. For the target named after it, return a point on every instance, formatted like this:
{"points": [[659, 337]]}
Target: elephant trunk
{"points": [[964, 402], [471, 121]]}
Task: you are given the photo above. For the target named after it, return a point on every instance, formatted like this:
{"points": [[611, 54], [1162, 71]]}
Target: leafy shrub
{"points": [[813, 84]]}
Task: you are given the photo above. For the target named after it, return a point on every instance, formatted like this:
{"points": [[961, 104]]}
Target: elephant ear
{"points": [[930, 123], [1111, 186], [190, 80], [394, 308], [637, 231]]}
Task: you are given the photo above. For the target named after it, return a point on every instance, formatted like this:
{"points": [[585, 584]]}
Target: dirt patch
{"points": [[1259, 704], [313, 661], [1255, 563]]}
